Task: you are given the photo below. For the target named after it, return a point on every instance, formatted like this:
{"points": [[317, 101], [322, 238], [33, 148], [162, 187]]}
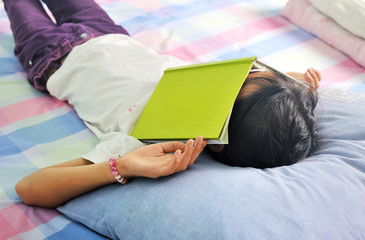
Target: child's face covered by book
{"points": [[272, 123], [250, 86], [247, 89]]}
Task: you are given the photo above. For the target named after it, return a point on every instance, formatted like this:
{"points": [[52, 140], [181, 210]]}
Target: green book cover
{"points": [[193, 100]]}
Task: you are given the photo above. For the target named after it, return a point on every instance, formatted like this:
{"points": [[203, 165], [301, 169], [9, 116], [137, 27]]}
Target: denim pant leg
{"points": [[40, 43], [28, 22], [86, 12]]}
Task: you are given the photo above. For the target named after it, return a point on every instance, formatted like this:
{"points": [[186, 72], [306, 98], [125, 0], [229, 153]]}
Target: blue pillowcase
{"points": [[322, 197]]}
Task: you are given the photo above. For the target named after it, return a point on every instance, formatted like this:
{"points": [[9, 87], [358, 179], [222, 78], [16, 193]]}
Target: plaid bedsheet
{"points": [[37, 130]]}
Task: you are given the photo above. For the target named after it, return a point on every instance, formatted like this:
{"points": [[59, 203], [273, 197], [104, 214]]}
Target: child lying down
{"points": [[108, 77]]}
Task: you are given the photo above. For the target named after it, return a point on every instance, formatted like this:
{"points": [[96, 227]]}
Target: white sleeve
{"points": [[120, 144]]}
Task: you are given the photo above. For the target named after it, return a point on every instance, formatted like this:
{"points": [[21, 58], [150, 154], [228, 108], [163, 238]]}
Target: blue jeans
{"points": [[40, 43]]}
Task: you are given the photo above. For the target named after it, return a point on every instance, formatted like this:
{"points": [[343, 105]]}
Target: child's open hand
{"points": [[313, 76], [161, 159]]}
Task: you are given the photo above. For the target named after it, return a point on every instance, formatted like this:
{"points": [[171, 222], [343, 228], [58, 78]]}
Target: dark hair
{"points": [[273, 126]]}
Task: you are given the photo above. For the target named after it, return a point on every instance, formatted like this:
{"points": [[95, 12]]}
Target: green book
{"points": [[193, 100]]}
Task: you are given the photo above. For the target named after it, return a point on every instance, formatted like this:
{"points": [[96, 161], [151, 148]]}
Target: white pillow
{"points": [[350, 14]]}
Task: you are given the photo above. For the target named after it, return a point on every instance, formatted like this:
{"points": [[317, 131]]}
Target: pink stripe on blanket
{"points": [[340, 72], [28, 108], [38, 215], [13, 221], [241, 34], [105, 1], [4, 27]]}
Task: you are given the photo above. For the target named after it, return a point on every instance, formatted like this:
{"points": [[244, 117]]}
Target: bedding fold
{"points": [[303, 14], [348, 14]]}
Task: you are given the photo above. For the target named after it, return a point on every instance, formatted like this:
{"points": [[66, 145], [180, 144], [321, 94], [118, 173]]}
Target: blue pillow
{"points": [[322, 197]]}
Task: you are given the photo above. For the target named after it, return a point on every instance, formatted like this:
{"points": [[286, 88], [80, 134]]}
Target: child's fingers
{"points": [[172, 165], [318, 73], [172, 146], [182, 160], [186, 156], [202, 146], [308, 77], [198, 148], [315, 77], [191, 153]]}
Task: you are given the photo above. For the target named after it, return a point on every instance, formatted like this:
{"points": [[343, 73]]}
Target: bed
{"points": [[320, 197]]}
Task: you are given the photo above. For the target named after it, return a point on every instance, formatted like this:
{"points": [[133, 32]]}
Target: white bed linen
{"points": [[350, 14], [305, 15]]}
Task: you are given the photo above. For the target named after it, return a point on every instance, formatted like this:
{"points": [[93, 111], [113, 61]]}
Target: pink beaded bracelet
{"points": [[114, 170]]}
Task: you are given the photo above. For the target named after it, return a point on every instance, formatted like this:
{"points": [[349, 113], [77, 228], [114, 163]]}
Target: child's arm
{"points": [[53, 186], [312, 76]]}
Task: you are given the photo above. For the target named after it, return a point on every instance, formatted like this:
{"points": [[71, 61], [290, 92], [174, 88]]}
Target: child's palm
{"points": [[157, 160]]}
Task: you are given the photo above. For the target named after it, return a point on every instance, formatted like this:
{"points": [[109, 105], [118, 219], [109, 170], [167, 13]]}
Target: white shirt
{"points": [[109, 80]]}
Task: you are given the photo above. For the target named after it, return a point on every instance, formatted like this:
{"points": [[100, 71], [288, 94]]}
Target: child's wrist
{"points": [[114, 167]]}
